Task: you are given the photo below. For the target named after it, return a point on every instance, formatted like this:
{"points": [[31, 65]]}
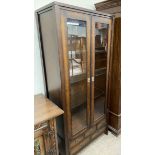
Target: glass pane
{"points": [[77, 57], [101, 44]]}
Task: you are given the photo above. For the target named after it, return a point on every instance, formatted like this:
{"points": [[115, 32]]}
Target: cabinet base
{"points": [[114, 131], [78, 143]]}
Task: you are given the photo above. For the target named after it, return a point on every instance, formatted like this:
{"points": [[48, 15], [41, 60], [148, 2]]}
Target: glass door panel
{"points": [[77, 60], [100, 69]]}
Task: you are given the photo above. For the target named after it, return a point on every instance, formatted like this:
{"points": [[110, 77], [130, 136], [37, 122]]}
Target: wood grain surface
{"points": [[44, 109]]}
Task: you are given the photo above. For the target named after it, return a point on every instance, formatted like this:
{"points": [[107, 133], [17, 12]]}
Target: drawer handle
{"points": [[42, 127]]}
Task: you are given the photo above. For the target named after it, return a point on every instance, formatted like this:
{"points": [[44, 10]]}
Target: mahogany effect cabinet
{"points": [[76, 50]]}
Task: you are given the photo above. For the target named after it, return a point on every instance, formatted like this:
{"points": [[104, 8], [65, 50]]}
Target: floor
{"points": [[103, 145]]}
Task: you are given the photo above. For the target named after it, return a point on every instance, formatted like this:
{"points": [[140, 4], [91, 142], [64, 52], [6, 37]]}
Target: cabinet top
{"points": [[62, 5], [44, 109]]}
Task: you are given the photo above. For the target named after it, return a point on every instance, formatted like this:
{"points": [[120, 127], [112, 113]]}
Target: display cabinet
{"points": [[76, 50]]}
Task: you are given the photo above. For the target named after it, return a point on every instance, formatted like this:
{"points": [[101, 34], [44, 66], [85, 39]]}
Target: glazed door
{"points": [[75, 29], [100, 54]]}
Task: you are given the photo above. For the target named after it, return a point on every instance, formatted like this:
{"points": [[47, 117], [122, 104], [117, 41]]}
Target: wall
{"points": [[38, 72]]}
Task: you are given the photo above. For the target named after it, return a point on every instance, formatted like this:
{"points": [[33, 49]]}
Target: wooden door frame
{"points": [[78, 16], [109, 58]]}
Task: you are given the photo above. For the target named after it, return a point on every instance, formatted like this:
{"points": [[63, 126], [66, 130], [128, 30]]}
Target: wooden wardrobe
{"points": [[114, 7], [76, 50]]}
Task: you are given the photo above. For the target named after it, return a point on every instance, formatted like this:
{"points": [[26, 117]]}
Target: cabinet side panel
{"points": [[47, 21], [115, 81], [50, 53], [115, 96]]}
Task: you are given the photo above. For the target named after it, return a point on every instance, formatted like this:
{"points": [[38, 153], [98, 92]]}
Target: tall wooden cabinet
{"points": [[76, 52]]}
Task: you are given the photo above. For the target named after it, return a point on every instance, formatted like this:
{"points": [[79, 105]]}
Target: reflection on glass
{"points": [[101, 44], [76, 30]]}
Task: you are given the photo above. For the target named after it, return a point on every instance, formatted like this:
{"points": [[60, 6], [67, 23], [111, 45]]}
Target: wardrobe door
{"points": [[75, 29], [100, 58]]}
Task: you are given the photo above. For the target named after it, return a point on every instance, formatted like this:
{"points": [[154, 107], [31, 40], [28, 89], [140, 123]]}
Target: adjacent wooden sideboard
{"points": [[45, 134]]}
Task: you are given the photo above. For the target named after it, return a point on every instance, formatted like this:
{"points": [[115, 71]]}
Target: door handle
{"points": [[92, 79]]}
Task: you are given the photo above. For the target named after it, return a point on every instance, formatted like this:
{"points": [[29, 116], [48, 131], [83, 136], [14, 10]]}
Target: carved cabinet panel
{"points": [[39, 146], [45, 142]]}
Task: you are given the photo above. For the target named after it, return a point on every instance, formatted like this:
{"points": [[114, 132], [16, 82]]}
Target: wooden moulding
{"points": [[38, 129], [70, 8], [107, 4]]}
